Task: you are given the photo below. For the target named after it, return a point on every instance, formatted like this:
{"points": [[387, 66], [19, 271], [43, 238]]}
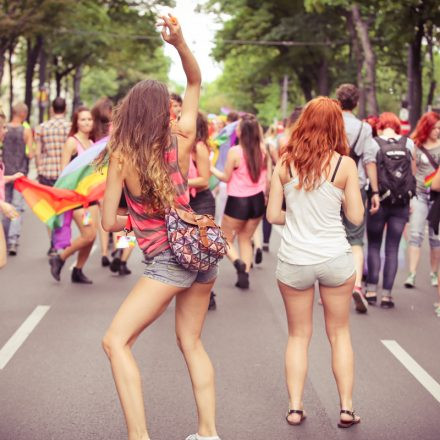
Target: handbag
{"points": [[196, 241]]}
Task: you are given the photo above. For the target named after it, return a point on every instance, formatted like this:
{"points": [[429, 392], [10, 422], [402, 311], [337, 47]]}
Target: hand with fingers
{"points": [[171, 30], [9, 211]]}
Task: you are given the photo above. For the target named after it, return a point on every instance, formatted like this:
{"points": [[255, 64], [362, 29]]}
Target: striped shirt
{"points": [[150, 228], [52, 136]]}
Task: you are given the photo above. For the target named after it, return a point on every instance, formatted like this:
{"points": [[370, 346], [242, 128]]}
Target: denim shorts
{"points": [[164, 268], [331, 273]]}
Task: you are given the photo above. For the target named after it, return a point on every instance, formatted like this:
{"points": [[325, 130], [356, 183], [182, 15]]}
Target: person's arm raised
{"points": [[186, 126]]}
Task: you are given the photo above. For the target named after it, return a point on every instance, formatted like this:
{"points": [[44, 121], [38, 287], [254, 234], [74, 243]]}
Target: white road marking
{"points": [[414, 368], [22, 333], [94, 247]]}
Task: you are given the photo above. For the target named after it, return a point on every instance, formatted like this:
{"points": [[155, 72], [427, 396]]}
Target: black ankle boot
{"points": [[123, 269], [56, 264], [79, 277]]}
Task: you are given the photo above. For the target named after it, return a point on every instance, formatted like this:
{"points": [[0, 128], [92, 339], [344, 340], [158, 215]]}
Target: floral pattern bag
{"points": [[196, 241]]}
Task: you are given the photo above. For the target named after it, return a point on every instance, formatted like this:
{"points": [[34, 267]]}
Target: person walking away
{"points": [[245, 174], [16, 142], [150, 164], [6, 209], [201, 198], [397, 186], [426, 161], [363, 149], [86, 219], [50, 138], [436, 187], [317, 179]]}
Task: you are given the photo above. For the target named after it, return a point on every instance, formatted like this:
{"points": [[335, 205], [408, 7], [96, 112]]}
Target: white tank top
{"points": [[313, 232]]}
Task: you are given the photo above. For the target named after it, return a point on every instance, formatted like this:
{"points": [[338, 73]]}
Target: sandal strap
{"points": [[295, 411], [350, 413]]}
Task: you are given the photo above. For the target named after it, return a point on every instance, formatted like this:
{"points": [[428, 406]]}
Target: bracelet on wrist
{"points": [[373, 193]]}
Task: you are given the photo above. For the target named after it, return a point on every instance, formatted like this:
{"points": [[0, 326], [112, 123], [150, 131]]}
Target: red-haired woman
{"points": [[393, 212], [79, 140], [245, 173], [316, 178], [427, 160]]}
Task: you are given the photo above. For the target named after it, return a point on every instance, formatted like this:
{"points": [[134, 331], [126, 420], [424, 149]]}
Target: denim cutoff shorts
{"points": [[164, 268], [331, 273]]}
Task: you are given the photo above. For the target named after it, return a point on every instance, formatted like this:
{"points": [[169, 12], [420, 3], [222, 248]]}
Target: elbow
{"points": [[271, 218], [106, 225]]}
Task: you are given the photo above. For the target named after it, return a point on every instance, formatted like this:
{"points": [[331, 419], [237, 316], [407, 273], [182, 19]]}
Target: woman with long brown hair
{"points": [[245, 173], [86, 219], [149, 163], [316, 178]]}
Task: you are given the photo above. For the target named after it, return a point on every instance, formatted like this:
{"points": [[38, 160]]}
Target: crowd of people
{"points": [[327, 177]]}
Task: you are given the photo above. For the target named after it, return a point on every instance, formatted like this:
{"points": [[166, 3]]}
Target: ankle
{"points": [[206, 433]]}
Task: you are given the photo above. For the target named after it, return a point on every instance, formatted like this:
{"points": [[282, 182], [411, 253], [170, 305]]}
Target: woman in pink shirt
{"points": [[246, 175]]}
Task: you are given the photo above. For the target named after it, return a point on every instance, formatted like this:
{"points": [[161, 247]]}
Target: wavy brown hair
{"points": [[140, 135], [317, 133], [250, 141]]}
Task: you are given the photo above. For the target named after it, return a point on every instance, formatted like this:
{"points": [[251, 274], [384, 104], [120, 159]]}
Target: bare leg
{"points": [[231, 226], [413, 258], [435, 258], [191, 308], [299, 312], [358, 255], [145, 303], [3, 252], [84, 253], [87, 235], [245, 241], [257, 238], [336, 301]]}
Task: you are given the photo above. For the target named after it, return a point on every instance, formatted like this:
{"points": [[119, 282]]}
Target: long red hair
{"points": [[317, 133], [424, 127]]}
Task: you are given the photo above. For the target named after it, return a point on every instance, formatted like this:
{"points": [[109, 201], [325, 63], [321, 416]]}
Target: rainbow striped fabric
{"points": [[429, 178], [79, 184]]}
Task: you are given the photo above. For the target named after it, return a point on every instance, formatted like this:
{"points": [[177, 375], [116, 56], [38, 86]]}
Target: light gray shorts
{"points": [[164, 268], [331, 273]]}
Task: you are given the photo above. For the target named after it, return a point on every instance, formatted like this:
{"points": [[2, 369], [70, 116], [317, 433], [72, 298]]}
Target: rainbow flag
{"points": [[429, 178], [79, 184], [46, 202]]}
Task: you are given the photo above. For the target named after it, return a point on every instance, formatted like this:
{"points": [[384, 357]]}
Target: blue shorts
{"points": [[164, 268]]}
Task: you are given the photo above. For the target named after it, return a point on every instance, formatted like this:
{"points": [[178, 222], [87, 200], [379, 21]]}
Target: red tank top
{"points": [[150, 228]]}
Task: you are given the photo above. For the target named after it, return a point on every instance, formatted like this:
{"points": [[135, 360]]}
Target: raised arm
{"points": [[186, 126]]}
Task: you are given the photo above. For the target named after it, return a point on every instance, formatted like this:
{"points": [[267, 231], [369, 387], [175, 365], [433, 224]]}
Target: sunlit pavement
{"points": [[56, 383]]}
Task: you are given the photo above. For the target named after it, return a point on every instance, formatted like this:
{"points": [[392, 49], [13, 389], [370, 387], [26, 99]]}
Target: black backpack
{"points": [[397, 184]]}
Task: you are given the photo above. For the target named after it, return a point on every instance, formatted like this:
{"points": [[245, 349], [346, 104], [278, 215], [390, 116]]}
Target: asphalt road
{"points": [[58, 384]]}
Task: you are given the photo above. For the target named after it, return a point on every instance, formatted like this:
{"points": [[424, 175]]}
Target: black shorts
{"points": [[203, 203], [245, 208]]}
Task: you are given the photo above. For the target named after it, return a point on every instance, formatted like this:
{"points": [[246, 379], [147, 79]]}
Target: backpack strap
{"points": [[429, 156], [336, 169], [353, 145]]}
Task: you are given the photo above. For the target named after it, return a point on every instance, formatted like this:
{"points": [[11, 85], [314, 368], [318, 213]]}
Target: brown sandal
{"points": [[296, 411], [348, 423]]}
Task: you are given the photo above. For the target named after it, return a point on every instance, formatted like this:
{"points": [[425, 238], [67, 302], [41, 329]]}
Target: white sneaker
{"points": [[196, 437]]}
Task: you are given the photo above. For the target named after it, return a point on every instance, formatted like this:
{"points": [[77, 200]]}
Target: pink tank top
{"points": [[150, 228], [241, 184]]}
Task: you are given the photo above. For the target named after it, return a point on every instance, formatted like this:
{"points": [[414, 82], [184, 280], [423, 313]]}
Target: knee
{"points": [[89, 235], [187, 344], [304, 334], [111, 344], [337, 332]]}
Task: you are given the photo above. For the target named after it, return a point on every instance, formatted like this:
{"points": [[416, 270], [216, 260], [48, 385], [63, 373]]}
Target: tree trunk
{"points": [[43, 90], [77, 77], [357, 52], [33, 52], [415, 77], [11, 77], [305, 83], [369, 60], [431, 67], [323, 84]]}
